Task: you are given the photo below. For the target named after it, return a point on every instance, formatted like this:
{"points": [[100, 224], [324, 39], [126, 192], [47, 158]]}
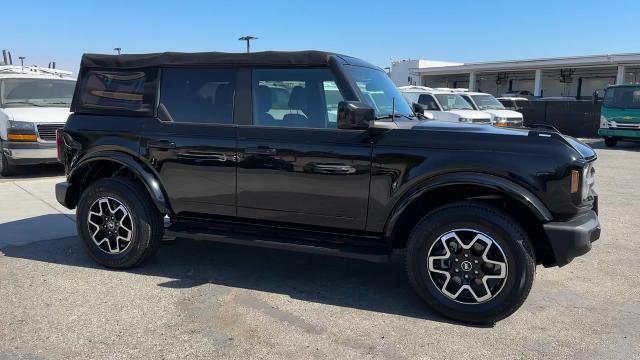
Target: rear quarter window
{"points": [[128, 92]]}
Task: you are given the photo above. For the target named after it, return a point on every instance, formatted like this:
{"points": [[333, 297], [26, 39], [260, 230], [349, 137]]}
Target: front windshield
{"points": [[378, 91], [486, 102], [453, 102], [622, 97], [36, 92]]}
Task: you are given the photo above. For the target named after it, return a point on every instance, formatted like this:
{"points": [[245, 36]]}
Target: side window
{"points": [[197, 95], [306, 98], [131, 91], [468, 99], [428, 102]]}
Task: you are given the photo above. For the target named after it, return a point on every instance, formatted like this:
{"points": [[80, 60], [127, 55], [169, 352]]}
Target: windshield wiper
{"points": [[393, 116], [22, 102]]}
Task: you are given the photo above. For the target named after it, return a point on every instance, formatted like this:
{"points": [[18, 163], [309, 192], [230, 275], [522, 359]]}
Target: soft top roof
{"points": [[266, 58]]}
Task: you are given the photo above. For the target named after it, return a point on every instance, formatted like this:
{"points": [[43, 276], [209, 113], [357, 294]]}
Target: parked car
{"points": [[34, 103], [620, 114], [442, 105], [519, 93], [511, 103], [195, 137], [500, 116]]}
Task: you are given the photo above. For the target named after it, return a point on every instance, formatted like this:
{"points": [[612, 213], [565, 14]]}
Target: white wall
{"points": [[401, 70]]}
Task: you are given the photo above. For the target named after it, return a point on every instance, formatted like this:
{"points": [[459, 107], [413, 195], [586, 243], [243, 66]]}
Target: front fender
{"points": [[513, 190], [148, 177]]}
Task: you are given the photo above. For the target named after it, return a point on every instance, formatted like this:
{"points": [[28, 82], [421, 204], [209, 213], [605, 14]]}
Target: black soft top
{"points": [[265, 58]]}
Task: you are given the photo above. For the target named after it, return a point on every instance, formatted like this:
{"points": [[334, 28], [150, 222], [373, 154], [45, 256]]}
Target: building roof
{"points": [[283, 58], [532, 64]]}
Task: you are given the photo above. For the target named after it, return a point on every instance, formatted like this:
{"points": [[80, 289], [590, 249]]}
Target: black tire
{"points": [[147, 221], [610, 141], [503, 230], [6, 169]]}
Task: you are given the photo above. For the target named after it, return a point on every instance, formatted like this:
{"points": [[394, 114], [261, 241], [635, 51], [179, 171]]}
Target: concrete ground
{"points": [[206, 300]]}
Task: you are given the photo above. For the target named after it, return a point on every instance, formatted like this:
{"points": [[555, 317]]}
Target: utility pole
{"points": [[248, 39], [117, 50]]}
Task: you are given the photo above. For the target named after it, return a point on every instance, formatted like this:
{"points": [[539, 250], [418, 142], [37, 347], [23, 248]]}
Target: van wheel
{"points": [[470, 262], [118, 222], [610, 141], [6, 169]]}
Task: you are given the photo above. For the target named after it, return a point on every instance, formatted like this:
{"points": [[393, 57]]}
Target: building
{"points": [[577, 76]]}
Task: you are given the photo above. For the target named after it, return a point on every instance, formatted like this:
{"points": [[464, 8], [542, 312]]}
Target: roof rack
{"points": [[37, 70]]}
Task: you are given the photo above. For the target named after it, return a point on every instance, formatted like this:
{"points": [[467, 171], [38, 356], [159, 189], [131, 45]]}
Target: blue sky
{"points": [[377, 31]]}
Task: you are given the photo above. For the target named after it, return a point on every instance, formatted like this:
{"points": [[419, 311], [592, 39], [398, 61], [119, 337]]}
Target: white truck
{"points": [[442, 105], [34, 103], [500, 116]]}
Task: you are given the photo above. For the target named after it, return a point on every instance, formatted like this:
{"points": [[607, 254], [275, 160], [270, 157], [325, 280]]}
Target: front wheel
{"points": [[610, 141], [471, 262], [118, 222], [6, 169]]}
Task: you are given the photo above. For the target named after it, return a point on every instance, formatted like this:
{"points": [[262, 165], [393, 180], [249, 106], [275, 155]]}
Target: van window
{"points": [[305, 98], [130, 91], [198, 95], [428, 102]]}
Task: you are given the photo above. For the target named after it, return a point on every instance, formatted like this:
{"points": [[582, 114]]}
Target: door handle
{"points": [[260, 150], [162, 144], [333, 169], [203, 156]]}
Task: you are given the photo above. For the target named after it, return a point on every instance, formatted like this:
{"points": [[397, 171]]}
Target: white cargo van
{"points": [[500, 116], [34, 103], [442, 105]]}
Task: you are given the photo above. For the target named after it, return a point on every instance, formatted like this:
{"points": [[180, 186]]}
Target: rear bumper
{"points": [[27, 153], [62, 195], [572, 238], [619, 133]]}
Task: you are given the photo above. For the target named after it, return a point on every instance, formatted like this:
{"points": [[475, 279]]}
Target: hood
{"points": [[38, 114], [503, 113], [490, 138], [471, 114]]}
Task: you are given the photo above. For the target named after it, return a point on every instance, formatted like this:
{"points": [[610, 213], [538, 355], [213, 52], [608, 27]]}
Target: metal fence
{"points": [[575, 118]]}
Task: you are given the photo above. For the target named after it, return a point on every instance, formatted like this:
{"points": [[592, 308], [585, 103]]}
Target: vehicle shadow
{"points": [[622, 145], [36, 171], [315, 278]]}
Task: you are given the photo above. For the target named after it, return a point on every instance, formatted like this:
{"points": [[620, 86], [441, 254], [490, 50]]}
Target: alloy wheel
{"points": [[467, 266], [110, 225]]}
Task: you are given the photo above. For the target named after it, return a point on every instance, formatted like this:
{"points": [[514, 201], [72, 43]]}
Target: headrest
{"points": [[298, 98], [264, 100]]}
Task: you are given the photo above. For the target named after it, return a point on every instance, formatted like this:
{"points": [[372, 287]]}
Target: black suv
{"points": [[317, 152]]}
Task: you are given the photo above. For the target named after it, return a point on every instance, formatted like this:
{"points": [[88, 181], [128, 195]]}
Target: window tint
{"points": [[295, 98], [119, 91], [198, 95], [428, 102]]}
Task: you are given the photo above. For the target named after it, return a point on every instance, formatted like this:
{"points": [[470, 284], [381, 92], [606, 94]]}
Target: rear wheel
{"points": [[118, 222], [471, 262], [610, 141]]}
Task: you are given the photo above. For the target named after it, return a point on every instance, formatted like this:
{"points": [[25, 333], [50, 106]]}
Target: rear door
{"points": [[295, 166], [192, 144]]}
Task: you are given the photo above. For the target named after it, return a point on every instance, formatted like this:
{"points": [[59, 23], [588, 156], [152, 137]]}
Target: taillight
{"points": [[59, 149]]}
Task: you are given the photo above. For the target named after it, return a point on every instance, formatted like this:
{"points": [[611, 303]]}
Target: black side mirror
{"points": [[594, 97], [355, 115], [418, 109]]}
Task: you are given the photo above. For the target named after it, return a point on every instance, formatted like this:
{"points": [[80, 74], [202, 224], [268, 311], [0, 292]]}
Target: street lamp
{"points": [[22, 61], [117, 50], [248, 39]]}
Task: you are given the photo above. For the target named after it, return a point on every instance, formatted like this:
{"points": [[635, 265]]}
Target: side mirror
{"points": [[355, 115], [418, 109]]}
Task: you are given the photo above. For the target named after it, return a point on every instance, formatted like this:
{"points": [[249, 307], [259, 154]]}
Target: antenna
{"points": [[393, 108]]}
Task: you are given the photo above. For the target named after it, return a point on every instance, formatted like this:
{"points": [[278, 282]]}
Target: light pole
{"points": [[117, 50], [22, 61], [248, 39]]}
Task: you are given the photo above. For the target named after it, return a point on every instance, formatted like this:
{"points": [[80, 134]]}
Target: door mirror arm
{"points": [[355, 115]]}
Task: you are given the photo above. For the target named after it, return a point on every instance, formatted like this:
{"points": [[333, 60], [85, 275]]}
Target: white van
{"points": [[34, 103], [443, 105], [500, 116]]}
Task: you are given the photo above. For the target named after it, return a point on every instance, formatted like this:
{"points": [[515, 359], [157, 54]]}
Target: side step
{"points": [[374, 253]]}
